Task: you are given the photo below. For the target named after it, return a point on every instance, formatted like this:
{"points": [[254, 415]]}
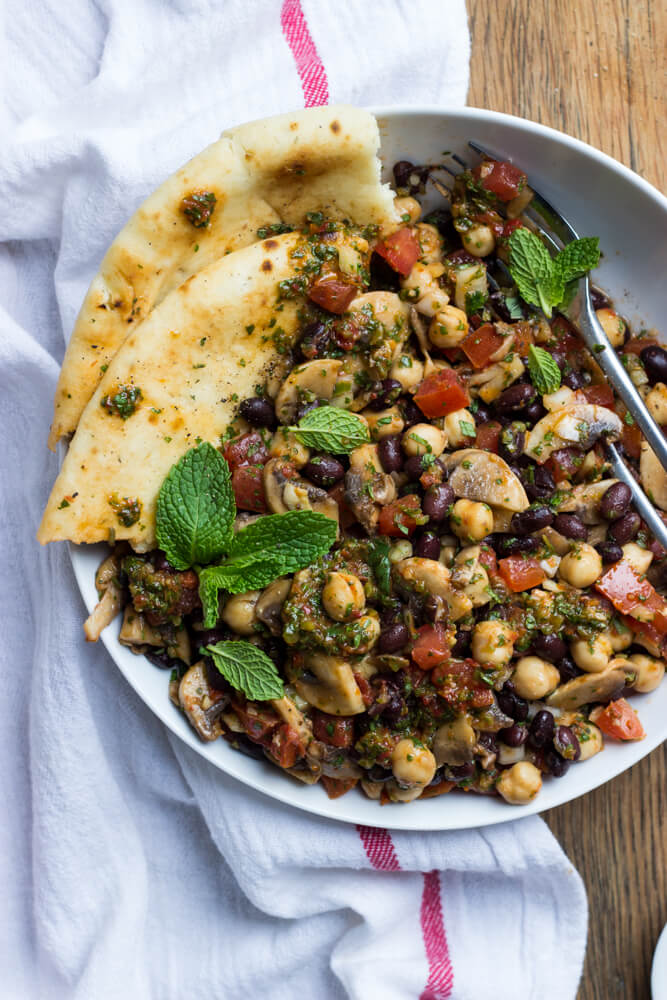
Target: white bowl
{"points": [[600, 198]]}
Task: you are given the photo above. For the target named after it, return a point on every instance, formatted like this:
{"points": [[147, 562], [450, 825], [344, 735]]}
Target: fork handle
{"points": [[597, 342]]}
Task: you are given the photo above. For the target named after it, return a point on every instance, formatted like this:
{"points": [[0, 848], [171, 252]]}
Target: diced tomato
{"points": [[637, 344], [488, 436], [511, 226], [332, 729], [500, 178], [633, 596], [365, 689], [248, 486], [488, 559], [259, 723], [458, 257], [249, 449], [441, 393], [520, 573], [493, 220], [564, 463], [431, 646], [400, 518], [618, 719], [332, 294], [286, 746], [631, 439], [459, 683], [432, 476], [523, 338], [453, 354], [599, 395], [480, 344], [565, 334], [401, 250], [335, 787]]}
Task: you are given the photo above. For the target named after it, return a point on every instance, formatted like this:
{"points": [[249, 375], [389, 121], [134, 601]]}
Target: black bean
{"points": [[304, 408], [615, 501], [654, 359], [509, 545], [427, 546], [512, 440], [610, 552], [538, 483], [482, 413], [515, 398], [556, 764], [214, 677], [489, 741], [160, 561], [505, 701], [409, 175], [314, 340], [411, 413], [247, 747], [393, 638], [441, 218], [520, 709], [387, 392], [462, 644], [460, 772], [559, 357], [571, 526], [392, 612], [437, 501], [541, 729], [574, 380], [390, 453], [413, 468], [510, 703], [566, 743], [514, 736], [549, 647], [259, 412], [528, 521], [209, 637], [534, 412], [599, 299], [567, 669], [497, 301], [625, 529], [160, 658], [324, 470]]}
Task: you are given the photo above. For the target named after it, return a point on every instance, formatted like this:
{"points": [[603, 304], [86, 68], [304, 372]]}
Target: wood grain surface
{"points": [[595, 69]]}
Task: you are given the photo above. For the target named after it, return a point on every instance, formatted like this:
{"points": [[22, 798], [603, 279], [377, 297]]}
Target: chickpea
{"points": [[493, 643], [456, 435], [412, 764], [369, 627], [479, 241], [408, 371], [640, 559], [428, 295], [430, 242], [534, 678], [590, 739], [592, 655], [448, 327], [239, 612], [612, 324], [343, 596], [402, 549], [470, 520], [582, 566], [656, 402], [409, 207], [285, 445], [384, 423], [520, 784], [620, 636], [423, 439], [649, 672]]}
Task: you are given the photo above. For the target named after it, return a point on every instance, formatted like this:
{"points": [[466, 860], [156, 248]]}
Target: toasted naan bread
{"points": [[200, 352], [274, 170]]}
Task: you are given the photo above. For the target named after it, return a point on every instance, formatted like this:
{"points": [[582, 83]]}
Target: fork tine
{"points": [[461, 163]]}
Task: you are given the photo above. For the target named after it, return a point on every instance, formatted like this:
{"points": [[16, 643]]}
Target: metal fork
{"points": [[557, 231]]}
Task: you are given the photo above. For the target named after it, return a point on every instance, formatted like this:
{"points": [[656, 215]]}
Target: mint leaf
{"points": [[532, 269], [577, 258], [514, 306], [544, 370], [378, 558], [267, 549], [247, 669], [329, 429], [196, 508]]}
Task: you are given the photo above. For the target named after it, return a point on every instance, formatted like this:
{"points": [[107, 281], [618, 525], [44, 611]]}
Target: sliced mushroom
{"points": [[387, 309], [367, 487], [137, 633], [496, 378], [470, 576], [483, 476], [285, 492], [589, 687], [580, 424], [654, 477], [332, 761], [270, 604], [454, 742], [468, 280], [111, 598], [333, 688], [201, 703], [431, 577], [290, 714], [313, 380], [584, 500]]}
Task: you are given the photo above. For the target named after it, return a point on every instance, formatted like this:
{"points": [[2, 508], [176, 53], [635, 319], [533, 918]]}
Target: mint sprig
{"points": [[248, 669], [544, 371], [195, 508], [329, 429], [546, 281]]}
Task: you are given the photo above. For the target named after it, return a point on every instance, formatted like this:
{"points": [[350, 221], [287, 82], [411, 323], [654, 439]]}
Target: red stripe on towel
{"points": [[440, 972], [379, 849], [309, 66]]}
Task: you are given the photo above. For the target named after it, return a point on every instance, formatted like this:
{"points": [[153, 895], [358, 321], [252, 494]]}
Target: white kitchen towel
{"points": [[130, 868]]}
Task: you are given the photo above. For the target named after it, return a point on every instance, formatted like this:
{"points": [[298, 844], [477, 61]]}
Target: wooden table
{"points": [[595, 69]]}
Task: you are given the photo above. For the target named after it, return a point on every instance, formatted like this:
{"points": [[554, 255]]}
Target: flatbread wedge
{"points": [[265, 172]]}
